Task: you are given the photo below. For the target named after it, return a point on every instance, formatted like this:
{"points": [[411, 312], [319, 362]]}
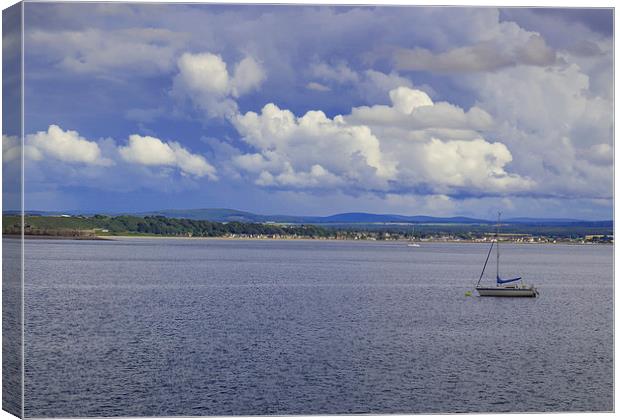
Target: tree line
{"points": [[155, 225]]}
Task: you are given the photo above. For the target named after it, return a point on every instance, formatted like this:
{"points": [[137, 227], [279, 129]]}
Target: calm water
{"points": [[190, 327]]}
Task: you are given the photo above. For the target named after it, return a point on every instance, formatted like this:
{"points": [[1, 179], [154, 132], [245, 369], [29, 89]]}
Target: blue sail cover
{"points": [[500, 281]]}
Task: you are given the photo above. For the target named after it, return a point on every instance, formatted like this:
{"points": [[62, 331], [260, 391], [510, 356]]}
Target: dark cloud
{"points": [[562, 27], [483, 56], [599, 20]]}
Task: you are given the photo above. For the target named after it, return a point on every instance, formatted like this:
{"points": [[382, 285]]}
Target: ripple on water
{"points": [[157, 328]]}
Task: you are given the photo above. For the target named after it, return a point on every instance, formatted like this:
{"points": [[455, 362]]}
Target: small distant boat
{"points": [[502, 288], [413, 244]]}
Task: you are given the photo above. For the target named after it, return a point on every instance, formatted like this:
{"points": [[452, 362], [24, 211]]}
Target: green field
{"points": [[149, 225]]}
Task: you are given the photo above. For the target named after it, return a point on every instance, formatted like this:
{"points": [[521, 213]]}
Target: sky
{"points": [[316, 110]]}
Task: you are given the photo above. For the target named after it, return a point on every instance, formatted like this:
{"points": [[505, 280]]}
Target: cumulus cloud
{"points": [[151, 151], [477, 163], [204, 73], [205, 80], [312, 150], [559, 131], [66, 146], [415, 111], [406, 100], [373, 149], [79, 154]]}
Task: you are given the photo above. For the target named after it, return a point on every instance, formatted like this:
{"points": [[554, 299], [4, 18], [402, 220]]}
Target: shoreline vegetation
{"points": [[101, 227]]}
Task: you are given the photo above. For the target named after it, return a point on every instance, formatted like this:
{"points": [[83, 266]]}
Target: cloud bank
{"points": [[443, 107], [412, 145]]}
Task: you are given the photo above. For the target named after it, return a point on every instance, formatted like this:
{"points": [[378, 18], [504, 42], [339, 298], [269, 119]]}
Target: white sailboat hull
{"points": [[507, 291]]}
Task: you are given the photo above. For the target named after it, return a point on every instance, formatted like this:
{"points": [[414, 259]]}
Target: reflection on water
{"points": [[192, 327]]}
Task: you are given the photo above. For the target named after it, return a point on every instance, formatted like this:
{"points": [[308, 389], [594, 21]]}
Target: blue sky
{"points": [[319, 110]]}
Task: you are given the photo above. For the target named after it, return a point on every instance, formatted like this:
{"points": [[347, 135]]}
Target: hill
{"points": [[224, 215], [231, 215]]}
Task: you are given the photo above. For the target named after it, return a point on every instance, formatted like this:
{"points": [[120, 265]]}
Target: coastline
{"points": [[60, 238], [224, 238]]}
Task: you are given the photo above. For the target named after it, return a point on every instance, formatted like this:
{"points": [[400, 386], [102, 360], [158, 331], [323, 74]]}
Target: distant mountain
{"points": [[231, 215]]}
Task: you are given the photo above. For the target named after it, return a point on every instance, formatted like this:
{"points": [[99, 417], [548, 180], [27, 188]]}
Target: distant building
{"points": [[599, 238]]}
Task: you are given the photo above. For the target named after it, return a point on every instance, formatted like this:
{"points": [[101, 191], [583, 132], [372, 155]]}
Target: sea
{"points": [[191, 327]]}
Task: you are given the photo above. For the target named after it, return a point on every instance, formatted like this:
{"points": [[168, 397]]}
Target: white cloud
{"points": [[67, 146], [415, 111], [379, 148], [312, 150], [204, 73], [205, 79], [74, 160], [559, 131], [475, 164], [151, 151], [147, 151], [405, 100], [248, 76], [12, 150]]}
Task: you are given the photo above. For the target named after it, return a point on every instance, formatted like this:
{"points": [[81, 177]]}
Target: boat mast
{"points": [[499, 214]]}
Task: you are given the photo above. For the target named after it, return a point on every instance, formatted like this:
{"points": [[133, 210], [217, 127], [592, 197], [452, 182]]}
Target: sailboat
{"points": [[504, 287], [411, 243]]}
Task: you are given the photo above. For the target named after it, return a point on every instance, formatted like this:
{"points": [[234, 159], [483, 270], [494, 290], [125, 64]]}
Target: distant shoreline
{"points": [[60, 238], [107, 228], [223, 238]]}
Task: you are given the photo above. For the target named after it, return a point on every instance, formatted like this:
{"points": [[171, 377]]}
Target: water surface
{"points": [[161, 327]]}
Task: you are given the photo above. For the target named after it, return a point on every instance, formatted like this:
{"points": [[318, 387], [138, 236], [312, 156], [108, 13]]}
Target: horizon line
{"points": [[145, 213]]}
